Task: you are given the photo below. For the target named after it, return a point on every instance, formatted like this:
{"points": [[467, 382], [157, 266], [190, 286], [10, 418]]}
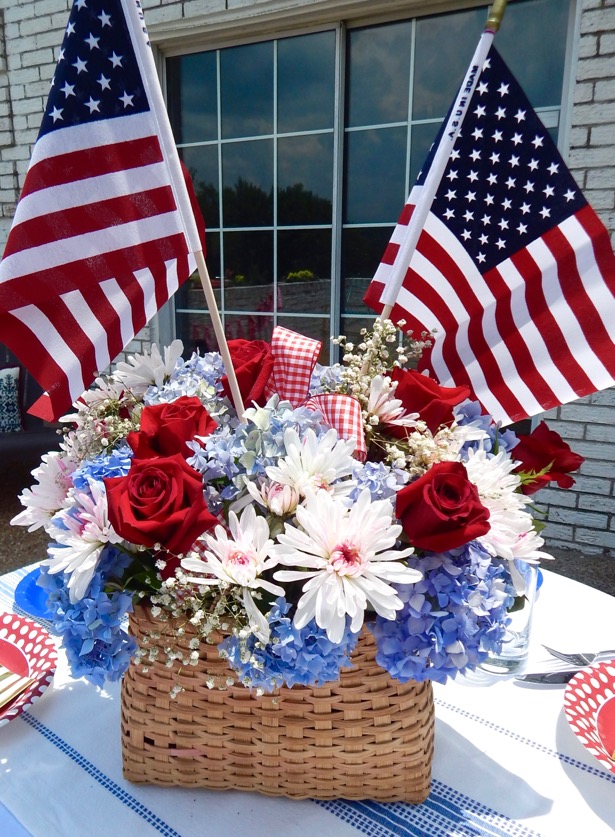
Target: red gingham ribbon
{"points": [[294, 358], [343, 413]]}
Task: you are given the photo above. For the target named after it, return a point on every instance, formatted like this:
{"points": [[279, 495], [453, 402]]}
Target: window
{"points": [[302, 161]]}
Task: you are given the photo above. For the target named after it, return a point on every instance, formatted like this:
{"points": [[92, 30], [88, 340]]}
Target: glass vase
{"points": [[512, 658]]}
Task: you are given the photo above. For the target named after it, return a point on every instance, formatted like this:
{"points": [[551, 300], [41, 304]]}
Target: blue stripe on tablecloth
{"points": [[107, 783], [446, 811], [528, 742]]}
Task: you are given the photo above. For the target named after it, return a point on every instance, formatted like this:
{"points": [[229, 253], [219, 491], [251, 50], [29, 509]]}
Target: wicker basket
{"points": [[364, 737]]}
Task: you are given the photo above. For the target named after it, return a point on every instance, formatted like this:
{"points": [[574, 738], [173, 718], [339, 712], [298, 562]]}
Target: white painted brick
{"points": [[594, 114], [595, 451], [589, 485], [603, 90], [553, 531], [34, 26], [578, 411], [598, 20], [582, 158], [603, 135], [601, 433], [579, 136], [607, 43], [588, 46], [594, 68], [600, 199], [603, 539], [556, 497], [573, 517], [567, 429], [599, 504], [36, 57], [604, 178], [605, 397]]}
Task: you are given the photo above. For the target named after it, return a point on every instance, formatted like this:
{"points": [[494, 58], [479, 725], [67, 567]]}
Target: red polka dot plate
{"points": [[26, 649], [589, 706]]}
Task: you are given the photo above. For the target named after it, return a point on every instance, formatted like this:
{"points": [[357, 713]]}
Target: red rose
{"points": [[545, 449], [422, 395], [253, 364], [441, 510], [165, 428], [159, 501]]}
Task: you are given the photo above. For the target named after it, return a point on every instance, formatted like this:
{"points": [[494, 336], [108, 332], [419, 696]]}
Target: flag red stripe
{"points": [[443, 261], [547, 325], [92, 162], [508, 329], [579, 300], [92, 217], [35, 287]]}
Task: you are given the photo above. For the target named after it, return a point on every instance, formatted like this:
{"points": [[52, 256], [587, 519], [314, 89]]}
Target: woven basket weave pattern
{"points": [[365, 737]]}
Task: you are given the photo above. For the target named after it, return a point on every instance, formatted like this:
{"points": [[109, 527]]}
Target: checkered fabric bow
{"points": [[294, 358], [343, 412]]}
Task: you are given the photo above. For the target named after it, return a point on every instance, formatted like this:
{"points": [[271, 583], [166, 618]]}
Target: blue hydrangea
{"points": [[114, 464], [97, 646], [325, 379], [451, 618], [243, 452], [198, 376], [471, 412], [382, 481], [292, 656]]}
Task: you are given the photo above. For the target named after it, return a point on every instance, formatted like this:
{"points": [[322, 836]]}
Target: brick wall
{"points": [[30, 35], [584, 516]]}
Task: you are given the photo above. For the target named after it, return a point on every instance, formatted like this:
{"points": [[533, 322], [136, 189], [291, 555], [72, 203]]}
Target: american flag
{"points": [[513, 269], [104, 230]]}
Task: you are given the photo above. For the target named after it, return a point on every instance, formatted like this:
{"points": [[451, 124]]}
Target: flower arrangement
{"points": [[363, 492]]}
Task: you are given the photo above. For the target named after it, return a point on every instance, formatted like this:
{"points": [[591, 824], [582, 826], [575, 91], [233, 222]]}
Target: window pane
{"points": [[362, 250], [246, 85], [248, 327], [202, 163], [305, 179], [247, 177], [436, 81], [533, 43], [192, 97], [304, 270], [306, 82], [423, 137], [190, 294], [196, 332], [375, 176], [318, 328], [248, 271], [378, 74]]}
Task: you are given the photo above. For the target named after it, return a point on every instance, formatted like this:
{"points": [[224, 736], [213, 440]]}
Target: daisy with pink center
{"points": [[349, 559], [238, 561]]}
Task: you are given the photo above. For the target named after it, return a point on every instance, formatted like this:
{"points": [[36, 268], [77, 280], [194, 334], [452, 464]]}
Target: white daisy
{"points": [[239, 562], [80, 540], [511, 534], [142, 371], [42, 501], [349, 558], [313, 463], [385, 407]]}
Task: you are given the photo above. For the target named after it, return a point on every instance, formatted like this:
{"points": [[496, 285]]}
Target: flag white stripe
{"points": [[147, 282], [601, 295], [120, 304], [89, 245], [80, 192], [87, 319], [531, 336], [565, 318], [93, 135], [39, 324], [432, 274]]}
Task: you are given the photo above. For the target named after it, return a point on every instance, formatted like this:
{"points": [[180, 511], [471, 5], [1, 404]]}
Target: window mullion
{"points": [[338, 181]]}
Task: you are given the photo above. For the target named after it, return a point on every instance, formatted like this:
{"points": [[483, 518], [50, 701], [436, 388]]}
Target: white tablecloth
{"points": [[506, 762]]}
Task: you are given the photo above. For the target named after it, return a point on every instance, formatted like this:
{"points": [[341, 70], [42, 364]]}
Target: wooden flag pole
{"points": [[212, 305], [432, 181]]}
